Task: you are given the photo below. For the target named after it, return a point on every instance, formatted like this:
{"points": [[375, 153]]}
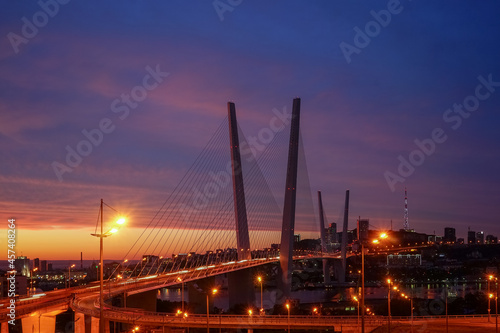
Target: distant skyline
{"points": [[116, 100]]}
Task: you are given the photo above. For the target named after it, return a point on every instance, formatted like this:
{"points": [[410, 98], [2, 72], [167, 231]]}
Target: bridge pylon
{"points": [[324, 247], [240, 283], [343, 246], [288, 225]]}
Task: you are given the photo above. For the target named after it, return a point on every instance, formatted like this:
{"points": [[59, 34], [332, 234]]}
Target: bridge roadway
{"points": [[58, 299], [44, 302]]}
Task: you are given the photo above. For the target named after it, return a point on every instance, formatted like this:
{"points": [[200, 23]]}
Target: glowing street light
{"points": [[261, 303], [389, 306], [288, 321], [490, 277], [375, 241], [32, 292], [101, 237], [69, 275], [357, 321], [214, 291], [182, 291]]}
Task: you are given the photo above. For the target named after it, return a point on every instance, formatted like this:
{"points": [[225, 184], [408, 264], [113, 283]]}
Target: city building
{"points": [[471, 237], [21, 283], [36, 263], [296, 238], [449, 235], [490, 239], [43, 266], [331, 233], [22, 265], [363, 230], [480, 237]]}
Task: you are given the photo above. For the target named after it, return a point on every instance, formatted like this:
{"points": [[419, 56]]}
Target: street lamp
{"points": [[446, 304], [101, 237], [69, 275], [182, 292], [315, 311], [288, 320], [261, 303], [214, 291], [389, 306], [490, 277], [357, 321], [496, 305], [31, 281], [375, 241]]}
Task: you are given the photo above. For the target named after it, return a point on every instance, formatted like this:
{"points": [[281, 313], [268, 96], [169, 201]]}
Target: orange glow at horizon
{"points": [[66, 244]]}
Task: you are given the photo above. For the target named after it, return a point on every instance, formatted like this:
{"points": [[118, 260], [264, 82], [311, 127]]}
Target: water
{"points": [[316, 296]]}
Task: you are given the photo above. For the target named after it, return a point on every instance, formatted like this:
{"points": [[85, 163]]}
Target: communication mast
{"points": [[406, 225]]}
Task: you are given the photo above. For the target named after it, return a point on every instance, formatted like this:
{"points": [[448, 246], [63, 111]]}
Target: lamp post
{"points": [[490, 277], [182, 292], [288, 320], [411, 309], [446, 304], [101, 237], [389, 307], [31, 281], [69, 275], [261, 303], [357, 320], [214, 291], [375, 241], [496, 305], [362, 288]]}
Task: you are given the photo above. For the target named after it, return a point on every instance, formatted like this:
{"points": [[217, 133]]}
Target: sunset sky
{"points": [[373, 77]]}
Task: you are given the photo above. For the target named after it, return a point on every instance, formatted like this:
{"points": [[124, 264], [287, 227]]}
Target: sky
{"points": [[394, 94]]}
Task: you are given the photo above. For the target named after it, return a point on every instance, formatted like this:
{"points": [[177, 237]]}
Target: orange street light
{"points": [[101, 237], [288, 321], [214, 291]]}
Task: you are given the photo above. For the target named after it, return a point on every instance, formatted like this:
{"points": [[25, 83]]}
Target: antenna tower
{"points": [[406, 225]]}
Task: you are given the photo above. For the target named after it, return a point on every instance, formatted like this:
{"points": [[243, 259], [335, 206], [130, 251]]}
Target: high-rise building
{"points": [[21, 285], [480, 237], [43, 266], [363, 230], [490, 239], [450, 235], [471, 237], [331, 233], [22, 265], [36, 263]]}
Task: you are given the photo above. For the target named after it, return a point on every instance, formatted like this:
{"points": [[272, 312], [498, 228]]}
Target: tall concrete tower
{"points": [[241, 285], [286, 249], [406, 223], [240, 210], [326, 266]]}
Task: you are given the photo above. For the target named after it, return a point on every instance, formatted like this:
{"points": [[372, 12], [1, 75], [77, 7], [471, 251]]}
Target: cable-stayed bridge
{"points": [[222, 218]]}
